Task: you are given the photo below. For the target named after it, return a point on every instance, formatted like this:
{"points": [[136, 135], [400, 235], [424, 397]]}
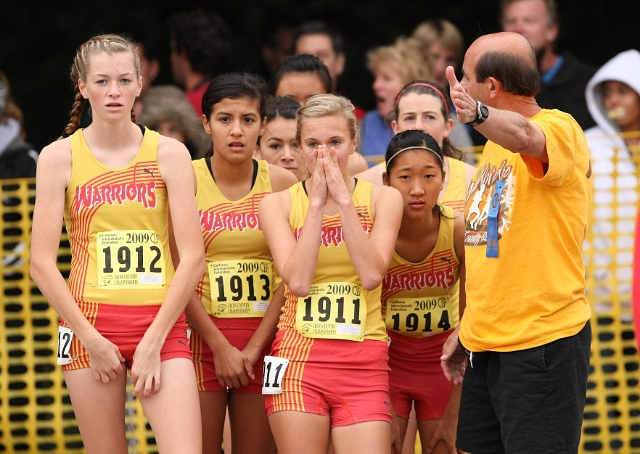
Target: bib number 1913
{"points": [[272, 373]]}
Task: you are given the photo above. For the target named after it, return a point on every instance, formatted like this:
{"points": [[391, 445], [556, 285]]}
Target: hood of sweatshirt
{"points": [[9, 132], [624, 67]]}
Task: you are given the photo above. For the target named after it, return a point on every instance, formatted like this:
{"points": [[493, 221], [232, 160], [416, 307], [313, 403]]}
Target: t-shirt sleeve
{"points": [[566, 148]]}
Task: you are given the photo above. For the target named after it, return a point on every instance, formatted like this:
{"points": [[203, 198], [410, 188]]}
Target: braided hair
{"points": [[80, 68]]}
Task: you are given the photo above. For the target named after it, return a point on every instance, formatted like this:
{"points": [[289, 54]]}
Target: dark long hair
{"points": [[234, 86]]}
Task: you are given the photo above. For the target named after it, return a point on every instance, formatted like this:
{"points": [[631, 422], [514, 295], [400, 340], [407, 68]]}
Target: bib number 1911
{"points": [[272, 373]]}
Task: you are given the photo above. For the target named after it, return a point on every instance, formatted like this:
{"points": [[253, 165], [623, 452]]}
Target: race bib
{"points": [[272, 372], [419, 317], [334, 310], [65, 336], [130, 258], [240, 288]]}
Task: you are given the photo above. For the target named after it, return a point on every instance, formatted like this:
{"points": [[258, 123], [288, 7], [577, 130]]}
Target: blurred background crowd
{"points": [[38, 39], [364, 50]]}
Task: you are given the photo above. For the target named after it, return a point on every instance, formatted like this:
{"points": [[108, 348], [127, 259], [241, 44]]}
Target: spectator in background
{"points": [[277, 46], [17, 158], [318, 39], [564, 77], [149, 68], [168, 111], [392, 67], [443, 46], [301, 76], [613, 98], [199, 51]]}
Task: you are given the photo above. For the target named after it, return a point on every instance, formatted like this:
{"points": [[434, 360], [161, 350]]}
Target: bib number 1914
{"points": [[272, 373]]}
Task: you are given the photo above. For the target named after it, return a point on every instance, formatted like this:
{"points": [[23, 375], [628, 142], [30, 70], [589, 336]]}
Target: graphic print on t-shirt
{"points": [[478, 202]]}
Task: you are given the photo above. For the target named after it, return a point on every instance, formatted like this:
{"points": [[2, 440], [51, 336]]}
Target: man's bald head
{"points": [[509, 58]]}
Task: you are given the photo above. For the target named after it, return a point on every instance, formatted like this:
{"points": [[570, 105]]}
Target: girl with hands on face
{"points": [[115, 182], [332, 238], [235, 308]]}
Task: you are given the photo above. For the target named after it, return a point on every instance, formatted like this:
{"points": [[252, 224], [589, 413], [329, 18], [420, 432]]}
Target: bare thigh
{"points": [[296, 432], [409, 434], [404, 426], [372, 437], [99, 410], [213, 407], [174, 411], [250, 430], [427, 429], [226, 434]]}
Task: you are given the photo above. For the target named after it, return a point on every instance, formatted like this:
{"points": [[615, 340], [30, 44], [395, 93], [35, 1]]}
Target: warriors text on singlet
{"points": [[240, 278], [337, 307], [420, 299], [117, 221]]}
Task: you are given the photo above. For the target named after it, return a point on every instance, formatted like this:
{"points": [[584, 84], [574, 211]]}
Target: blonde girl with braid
{"points": [[114, 183]]}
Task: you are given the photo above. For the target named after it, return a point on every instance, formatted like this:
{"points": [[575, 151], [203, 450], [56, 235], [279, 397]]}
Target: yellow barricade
{"points": [[35, 409], [612, 414]]}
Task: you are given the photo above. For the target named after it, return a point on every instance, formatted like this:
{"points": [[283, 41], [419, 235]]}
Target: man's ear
{"points": [[494, 86]]}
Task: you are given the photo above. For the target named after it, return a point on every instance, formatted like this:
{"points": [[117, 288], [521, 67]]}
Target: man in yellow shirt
{"points": [[524, 340]]}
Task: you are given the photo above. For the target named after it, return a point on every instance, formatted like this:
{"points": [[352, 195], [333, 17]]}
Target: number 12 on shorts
{"points": [[272, 373], [65, 336]]}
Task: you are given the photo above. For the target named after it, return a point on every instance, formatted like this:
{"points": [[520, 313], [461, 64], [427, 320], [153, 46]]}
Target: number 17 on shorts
{"points": [[272, 373]]}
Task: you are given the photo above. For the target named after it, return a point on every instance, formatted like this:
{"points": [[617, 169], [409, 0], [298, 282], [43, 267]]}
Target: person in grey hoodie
{"points": [[17, 158], [613, 99]]}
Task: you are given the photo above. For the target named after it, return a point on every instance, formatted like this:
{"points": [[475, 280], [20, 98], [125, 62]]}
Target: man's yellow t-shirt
{"points": [[533, 292]]}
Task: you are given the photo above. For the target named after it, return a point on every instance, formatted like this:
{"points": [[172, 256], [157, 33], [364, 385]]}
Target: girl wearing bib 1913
{"points": [[116, 182], [332, 239], [235, 309], [420, 300]]}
